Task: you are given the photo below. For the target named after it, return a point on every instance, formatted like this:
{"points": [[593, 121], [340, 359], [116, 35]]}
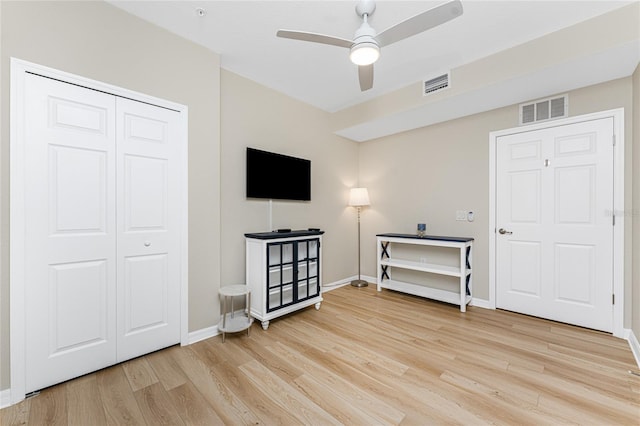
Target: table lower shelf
{"points": [[238, 322], [428, 292]]}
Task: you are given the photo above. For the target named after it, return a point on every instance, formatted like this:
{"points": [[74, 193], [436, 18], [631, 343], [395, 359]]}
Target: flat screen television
{"points": [[277, 176]]}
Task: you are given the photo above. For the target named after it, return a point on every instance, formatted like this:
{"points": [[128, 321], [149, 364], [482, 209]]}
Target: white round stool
{"points": [[230, 322]]}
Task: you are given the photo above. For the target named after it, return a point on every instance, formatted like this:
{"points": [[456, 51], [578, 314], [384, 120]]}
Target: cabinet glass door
{"points": [[307, 265], [293, 274], [280, 276]]}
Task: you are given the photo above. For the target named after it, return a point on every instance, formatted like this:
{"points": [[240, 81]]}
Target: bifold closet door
{"points": [[102, 207], [70, 296]]}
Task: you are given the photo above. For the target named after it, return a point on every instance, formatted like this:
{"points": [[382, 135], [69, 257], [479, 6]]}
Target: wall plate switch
{"points": [[461, 215]]}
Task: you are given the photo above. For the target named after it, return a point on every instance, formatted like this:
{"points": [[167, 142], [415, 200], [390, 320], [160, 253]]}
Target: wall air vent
{"points": [[435, 84], [544, 109]]}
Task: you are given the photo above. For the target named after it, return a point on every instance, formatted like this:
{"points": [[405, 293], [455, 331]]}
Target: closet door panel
{"points": [[148, 228], [86, 281], [77, 205], [146, 198], [71, 229], [146, 285]]}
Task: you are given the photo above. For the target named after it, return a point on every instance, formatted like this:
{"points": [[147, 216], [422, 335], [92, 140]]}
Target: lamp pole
{"points": [[359, 282]]}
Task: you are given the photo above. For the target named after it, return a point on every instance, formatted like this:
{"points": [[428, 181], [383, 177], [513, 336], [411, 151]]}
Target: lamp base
{"points": [[359, 283]]}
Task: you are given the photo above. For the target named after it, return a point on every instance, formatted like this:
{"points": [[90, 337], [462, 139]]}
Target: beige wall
{"points": [[425, 175], [255, 116], [96, 40], [635, 211]]}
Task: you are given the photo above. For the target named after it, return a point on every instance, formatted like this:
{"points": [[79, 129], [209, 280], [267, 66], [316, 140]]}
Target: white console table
{"points": [[387, 262]]}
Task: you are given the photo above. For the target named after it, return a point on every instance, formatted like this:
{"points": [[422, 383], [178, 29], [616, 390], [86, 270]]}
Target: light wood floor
{"points": [[365, 358]]}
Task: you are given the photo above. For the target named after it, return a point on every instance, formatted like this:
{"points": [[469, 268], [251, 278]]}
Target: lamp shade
{"points": [[364, 53], [359, 197]]}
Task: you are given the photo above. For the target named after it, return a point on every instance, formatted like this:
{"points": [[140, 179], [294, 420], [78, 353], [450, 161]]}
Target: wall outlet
{"points": [[461, 215]]}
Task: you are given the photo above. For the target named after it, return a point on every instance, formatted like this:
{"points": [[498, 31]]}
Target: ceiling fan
{"points": [[366, 43]]}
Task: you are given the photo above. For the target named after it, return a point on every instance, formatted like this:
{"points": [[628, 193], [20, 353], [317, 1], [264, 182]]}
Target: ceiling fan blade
{"points": [[365, 75], [421, 22], [315, 38]]}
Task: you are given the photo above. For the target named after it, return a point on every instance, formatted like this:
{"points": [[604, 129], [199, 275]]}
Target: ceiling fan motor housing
{"points": [[365, 34]]}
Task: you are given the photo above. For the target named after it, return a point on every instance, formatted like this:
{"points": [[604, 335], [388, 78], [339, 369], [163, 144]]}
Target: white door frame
{"points": [[618, 204], [19, 69]]}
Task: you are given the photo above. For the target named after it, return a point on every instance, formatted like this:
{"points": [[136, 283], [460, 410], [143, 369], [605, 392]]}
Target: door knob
{"points": [[504, 231], [147, 243]]}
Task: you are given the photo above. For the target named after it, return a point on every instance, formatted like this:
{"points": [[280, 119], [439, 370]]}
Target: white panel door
{"points": [[148, 159], [554, 247], [71, 231]]}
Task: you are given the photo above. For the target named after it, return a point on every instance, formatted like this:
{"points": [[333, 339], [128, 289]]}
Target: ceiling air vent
{"points": [[435, 84], [544, 109]]}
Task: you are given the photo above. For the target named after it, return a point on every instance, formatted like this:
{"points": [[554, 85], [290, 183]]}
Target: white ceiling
{"points": [[243, 33]]}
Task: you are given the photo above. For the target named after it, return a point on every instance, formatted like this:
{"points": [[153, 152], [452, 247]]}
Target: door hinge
{"points": [[613, 299], [614, 139], [614, 219]]}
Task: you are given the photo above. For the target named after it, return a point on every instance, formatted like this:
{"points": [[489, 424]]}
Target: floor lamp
{"points": [[359, 198]]}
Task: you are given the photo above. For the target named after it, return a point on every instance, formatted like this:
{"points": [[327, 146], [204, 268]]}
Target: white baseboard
{"points": [[481, 303], [337, 284], [203, 333], [634, 344], [5, 398], [346, 281], [370, 280]]}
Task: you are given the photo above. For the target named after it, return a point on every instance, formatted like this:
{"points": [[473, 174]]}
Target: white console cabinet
{"points": [[283, 272], [392, 257]]}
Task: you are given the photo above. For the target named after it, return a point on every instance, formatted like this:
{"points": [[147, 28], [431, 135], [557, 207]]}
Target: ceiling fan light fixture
{"points": [[366, 43], [365, 53]]}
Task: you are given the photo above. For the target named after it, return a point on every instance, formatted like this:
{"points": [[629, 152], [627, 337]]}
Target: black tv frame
{"points": [[274, 176]]}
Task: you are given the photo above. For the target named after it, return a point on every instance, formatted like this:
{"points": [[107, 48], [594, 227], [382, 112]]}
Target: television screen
{"points": [[277, 176]]}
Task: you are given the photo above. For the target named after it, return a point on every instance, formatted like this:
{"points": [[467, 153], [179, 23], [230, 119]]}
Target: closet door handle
{"points": [[147, 243]]}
